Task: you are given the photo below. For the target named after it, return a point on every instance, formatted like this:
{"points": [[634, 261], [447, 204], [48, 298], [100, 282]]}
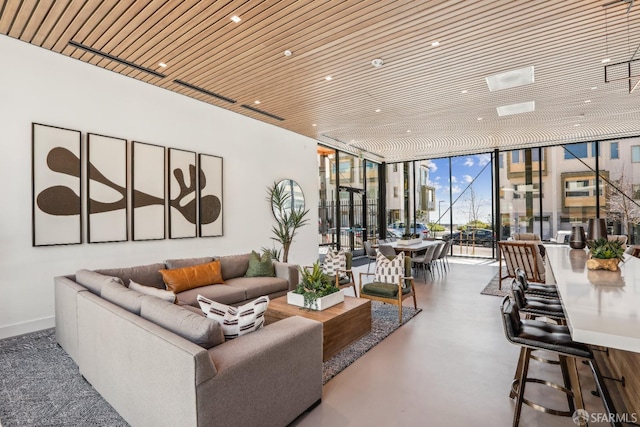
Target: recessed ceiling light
{"points": [[576, 125], [605, 60], [509, 79], [434, 44], [288, 53], [587, 101], [378, 110], [594, 87], [236, 18], [328, 78], [523, 107], [408, 130], [464, 91], [314, 125], [377, 62], [479, 118], [162, 64], [256, 101]]}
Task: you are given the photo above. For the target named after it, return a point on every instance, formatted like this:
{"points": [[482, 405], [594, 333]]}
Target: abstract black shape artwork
{"points": [[148, 195], [106, 189], [182, 194], [210, 195], [56, 198]]}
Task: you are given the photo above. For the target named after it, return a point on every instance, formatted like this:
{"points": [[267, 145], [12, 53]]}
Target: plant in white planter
{"points": [[314, 285]]}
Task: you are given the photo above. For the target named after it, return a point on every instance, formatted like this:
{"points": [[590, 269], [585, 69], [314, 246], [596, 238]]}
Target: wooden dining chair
{"points": [[523, 255]]}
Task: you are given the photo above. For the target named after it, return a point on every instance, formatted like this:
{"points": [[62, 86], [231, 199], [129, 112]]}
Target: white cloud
{"points": [[455, 189], [469, 162], [483, 159], [437, 178], [467, 178], [454, 179], [432, 166], [436, 185]]}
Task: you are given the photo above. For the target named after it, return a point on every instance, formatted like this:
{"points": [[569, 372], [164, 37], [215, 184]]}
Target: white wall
{"points": [[37, 85]]}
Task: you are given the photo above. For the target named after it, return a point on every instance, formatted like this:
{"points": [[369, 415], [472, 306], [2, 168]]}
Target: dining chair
{"points": [[387, 250], [370, 252], [523, 255], [425, 260]]}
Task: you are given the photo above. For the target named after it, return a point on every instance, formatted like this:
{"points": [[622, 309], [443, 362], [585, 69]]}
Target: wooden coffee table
{"points": [[342, 324]]}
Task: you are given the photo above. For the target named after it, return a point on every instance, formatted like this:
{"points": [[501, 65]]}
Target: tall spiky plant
{"points": [[288, 218]]}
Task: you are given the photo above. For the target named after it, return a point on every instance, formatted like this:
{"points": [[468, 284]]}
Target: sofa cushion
{"points": [[188, 325], [236, 321], [260, 266], [234, 265], [223, 294], [147, 274], [150, 290], [119, 295], [182, 279], [187, 262], [257, 286], [95, 281]]}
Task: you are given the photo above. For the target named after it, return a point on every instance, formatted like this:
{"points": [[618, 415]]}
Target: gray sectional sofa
{"points": [[164, 364]]}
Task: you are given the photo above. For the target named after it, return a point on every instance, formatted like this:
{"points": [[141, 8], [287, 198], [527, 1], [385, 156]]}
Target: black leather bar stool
{"points": [[535, 289], [533, 335], [535, 307]]}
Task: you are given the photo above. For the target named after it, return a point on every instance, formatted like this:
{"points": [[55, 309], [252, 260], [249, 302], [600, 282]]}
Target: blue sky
{"points": [[464, 170]]}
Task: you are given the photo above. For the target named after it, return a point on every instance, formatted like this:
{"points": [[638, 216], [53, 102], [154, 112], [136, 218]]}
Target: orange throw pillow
{"points": [[183, 279]]}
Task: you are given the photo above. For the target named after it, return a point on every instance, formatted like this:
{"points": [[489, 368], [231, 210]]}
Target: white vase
{"points": [[320, 304]]}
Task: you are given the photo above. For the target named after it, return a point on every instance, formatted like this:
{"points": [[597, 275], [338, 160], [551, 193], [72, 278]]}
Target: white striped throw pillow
{"points": [[236, 321], [389, 271]]}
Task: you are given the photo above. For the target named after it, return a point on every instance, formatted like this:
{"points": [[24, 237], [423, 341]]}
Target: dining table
{"points": [[411, 249]]}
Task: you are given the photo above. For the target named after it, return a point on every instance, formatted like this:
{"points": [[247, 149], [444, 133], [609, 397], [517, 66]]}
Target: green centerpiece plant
{"points": [[314, 284], [605, 254]]}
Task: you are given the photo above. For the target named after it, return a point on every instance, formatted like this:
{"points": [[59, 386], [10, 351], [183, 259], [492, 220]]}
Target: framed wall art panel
{"points": [[183, 204], [106, 189], [56, 185], [148, 180], [210, 195]]}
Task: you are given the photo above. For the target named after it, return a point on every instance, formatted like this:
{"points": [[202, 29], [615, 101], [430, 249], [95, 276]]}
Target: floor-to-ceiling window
{"points": [[326, 203], [522, 177], [541, 190], [348, 202], [471, 190]]}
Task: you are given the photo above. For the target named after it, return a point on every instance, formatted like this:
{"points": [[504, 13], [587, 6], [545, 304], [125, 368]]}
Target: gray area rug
{"points": [[40, 385], [492, 287]]}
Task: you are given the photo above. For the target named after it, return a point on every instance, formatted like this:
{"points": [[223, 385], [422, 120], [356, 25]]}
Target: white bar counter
{"points": [[602, 307]]}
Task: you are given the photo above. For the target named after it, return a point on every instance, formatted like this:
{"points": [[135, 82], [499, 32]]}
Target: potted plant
{"points": [[409, 239], [604, 254], [316, 291], [288, 219]]}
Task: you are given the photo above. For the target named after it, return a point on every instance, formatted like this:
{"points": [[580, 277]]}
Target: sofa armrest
{"points": [[288, 272], [278, 369], [66, 313]]}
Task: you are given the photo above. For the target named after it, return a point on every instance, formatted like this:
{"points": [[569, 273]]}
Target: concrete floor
{"points": [[449, 366]]}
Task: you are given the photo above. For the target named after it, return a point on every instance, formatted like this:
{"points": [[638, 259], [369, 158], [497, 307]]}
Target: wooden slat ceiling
{"points": [[423, 111]]}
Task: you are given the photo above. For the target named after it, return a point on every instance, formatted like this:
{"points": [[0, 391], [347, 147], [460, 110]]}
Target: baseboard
{"points": [[26, 327]]}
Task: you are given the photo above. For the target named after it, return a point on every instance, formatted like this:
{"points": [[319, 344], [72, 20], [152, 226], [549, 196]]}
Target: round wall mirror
{"points": [[290, 196]]}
